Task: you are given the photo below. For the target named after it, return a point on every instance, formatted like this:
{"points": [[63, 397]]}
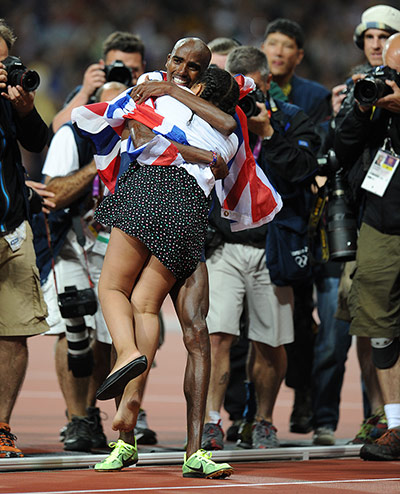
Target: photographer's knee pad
{"points": [[385, 352]]}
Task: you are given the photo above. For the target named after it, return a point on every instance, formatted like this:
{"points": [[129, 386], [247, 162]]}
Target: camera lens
{"points": [[30, 80], [369, 90], [341, 223]]}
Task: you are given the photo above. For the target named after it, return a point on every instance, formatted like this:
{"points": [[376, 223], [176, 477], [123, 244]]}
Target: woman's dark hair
{"points": [[220, 88]]}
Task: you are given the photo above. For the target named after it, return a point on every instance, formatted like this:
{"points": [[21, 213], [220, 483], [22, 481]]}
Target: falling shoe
{"points": [[115, 383]]}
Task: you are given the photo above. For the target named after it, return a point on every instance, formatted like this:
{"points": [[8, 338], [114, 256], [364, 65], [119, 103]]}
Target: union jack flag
{"points": [[247, 197]]}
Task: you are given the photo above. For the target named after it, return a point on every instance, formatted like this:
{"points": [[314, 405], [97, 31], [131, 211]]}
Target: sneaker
{"points": [[371, 429], [213, 437], [301, 416], [99, 439], [324, 436], [143, 434], [264, 435], [245, 440], [122, 455], [385, 448], [7, 445], [200, 465], [78, 436], [232, 434]]}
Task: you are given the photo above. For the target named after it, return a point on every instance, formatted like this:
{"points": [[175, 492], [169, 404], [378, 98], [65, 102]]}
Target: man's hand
{"points": [[3, 77], [338, 95], [21, 100], [391, 102], [139, 133], [147, 89], [261, 124], [93, 78], [40, 189]]}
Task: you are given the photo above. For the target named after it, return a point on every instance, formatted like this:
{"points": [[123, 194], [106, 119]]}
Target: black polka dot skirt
{"points": [[164, 208]]}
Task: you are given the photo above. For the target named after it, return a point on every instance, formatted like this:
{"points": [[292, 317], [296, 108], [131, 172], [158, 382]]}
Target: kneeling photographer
{"points": [[368, 134]]}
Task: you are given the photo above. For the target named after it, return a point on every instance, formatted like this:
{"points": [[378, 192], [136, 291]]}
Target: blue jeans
{"points": [[330, 354]]}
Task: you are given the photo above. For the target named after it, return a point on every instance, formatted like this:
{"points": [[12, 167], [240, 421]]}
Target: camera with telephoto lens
{"points": [[118, 72], [373, 87], [248, 103], [341, 221], [77, 303], [19, 75]]}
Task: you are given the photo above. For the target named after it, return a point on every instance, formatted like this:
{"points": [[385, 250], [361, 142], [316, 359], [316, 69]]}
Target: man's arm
{"points": [[93, 78], [69, 188], [292, 154], [352, 130], [32, 131], [218, 119]]}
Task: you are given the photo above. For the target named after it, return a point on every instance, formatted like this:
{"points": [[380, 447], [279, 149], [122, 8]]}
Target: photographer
{"points": [[22, 307], [377, 24], [369, 136], [119, 46], [284, 144]]}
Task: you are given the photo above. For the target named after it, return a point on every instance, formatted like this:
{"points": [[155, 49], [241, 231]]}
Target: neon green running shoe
{"points": [[200, 465], [122, 455]]}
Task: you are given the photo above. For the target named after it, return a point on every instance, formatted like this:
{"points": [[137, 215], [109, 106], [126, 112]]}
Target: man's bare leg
{"points": [[191, 305], [220, 369], [369, 373], [101, 369], [267, 374], [74, 389], [13, 364]]}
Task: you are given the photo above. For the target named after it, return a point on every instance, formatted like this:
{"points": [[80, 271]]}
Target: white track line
{"points": [[213, 486]]}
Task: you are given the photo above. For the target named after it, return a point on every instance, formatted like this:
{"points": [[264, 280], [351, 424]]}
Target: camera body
{"points": [[18, 74], [248, 103], [373, 87], [118, 72], [341, 222], [77, 303]]}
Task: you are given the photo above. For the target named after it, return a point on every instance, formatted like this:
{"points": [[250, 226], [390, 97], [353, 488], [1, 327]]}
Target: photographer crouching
{"points": [[22, 308], [368, 134]]}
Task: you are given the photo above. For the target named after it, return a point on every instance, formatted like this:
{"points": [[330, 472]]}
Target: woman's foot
{"points": [[128, 409], [115, 383]]}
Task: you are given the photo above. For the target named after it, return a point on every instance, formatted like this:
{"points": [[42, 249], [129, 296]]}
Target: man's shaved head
{"points": [[391, 52], [187, 62], [197, 45]]}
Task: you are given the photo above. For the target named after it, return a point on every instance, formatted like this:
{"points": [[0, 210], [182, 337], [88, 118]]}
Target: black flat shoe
{"points": [[115, 383]]}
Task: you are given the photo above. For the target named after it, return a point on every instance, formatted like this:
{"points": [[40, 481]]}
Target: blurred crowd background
{"points": [[60, 38]]}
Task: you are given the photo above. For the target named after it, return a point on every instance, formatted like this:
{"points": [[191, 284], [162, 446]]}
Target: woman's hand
{"points": [[219, 168]]}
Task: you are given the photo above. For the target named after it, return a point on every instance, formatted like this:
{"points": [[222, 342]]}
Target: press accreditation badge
{"points": [[100, 245], [380, 172]]}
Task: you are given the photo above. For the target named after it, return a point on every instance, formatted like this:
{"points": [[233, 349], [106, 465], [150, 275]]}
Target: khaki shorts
{"points": [[22, 308], [374, 299], [237, 272]]}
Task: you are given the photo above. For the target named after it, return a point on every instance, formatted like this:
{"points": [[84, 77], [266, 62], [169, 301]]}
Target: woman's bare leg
{"points": [[123, 262], [153, 285]]}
